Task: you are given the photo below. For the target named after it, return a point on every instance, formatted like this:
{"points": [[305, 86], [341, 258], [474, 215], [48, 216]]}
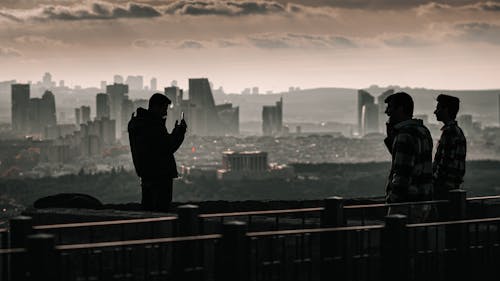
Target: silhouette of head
{"points": [[399, 107], [446, 108], [158, 104]]}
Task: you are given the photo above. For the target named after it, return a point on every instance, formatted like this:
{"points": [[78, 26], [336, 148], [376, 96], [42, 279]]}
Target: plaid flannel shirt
{"points": [[449, 161], [410, 178]]}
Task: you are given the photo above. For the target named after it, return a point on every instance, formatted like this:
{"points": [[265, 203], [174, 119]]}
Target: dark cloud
{"points": [[488, 6], [9, 53], [191, 44], [97, 11], [386, 4], [226, 8], [479, 32], [406, 41], [305, 41]]}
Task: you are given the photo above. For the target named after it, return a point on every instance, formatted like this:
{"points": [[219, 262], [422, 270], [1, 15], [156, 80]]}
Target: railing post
{"points": [[233, 253], [20, 228], [458, 204], [332, 244], [188, 255], [187, 220], [394, 249], [333, 212], [41, 257], [456, 235]]}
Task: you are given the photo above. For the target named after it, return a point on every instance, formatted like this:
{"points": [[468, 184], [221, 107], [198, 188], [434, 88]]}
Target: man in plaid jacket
{"points": [[410, 144], [449, 161]]}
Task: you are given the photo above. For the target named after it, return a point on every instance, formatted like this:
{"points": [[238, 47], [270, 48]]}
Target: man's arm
{"points": [[402, 166], [177, 135]]}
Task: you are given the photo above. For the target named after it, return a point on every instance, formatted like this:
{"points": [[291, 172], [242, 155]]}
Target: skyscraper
{"points": [[116, 94], [272, 118], [135, 83], [102, 106], [48, 109], [85, 111], [205, 120], [127, 110], [382, 118], [78, 116], [20, 97], [153, 84], [35, 124], [369, 119], [364, 98], [118, 79]]}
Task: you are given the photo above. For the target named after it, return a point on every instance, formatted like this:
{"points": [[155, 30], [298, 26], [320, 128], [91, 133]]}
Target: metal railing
{"points": [[333, 213]]}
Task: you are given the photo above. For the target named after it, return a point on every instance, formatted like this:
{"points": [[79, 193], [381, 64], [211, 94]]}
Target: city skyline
{"points": [[440, 44]]}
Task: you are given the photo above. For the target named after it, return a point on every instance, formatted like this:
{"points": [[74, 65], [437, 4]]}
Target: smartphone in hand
{"points": [[182, 115]]}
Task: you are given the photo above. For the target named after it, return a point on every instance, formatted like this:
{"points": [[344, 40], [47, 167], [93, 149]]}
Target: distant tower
{"points": [[255, 90], [116, 94], [118, 79], [48, 109], [78, 116], [153, 85], [47, 80], [35, 108], [272, 118], [205, 120], [382, 118], [369, 119], [364, 98], [127, 110], [85, 111], [20, 97], [103, 85], [102, 106]]}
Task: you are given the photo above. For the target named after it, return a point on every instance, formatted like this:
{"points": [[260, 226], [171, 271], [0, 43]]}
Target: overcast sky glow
{"points": [[271, 44]]}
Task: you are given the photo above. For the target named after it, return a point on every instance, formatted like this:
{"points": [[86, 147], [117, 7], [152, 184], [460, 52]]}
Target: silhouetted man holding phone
{"points": [[410, 145], [449, 161], [153, 149]]}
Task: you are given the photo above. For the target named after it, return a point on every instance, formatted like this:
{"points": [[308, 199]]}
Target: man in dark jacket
{"points": [[449, 161], [410, 144], [153, 151]]}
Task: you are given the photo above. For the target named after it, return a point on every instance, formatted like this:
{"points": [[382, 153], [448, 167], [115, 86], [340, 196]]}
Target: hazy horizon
{"points": [[269, 44]]}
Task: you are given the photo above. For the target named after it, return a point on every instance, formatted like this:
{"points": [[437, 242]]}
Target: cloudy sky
{"points": [[271, 44]]}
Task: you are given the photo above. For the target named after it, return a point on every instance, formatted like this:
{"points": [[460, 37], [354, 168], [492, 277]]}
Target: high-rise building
{"points": [[174, 94], [118, 79], [85, 111], [382, 118], [116, 94], [48, 110], [35, 108], [20, 97], [47, 81], [103, 85], [102, 106], [127, 110], [135, 83], [229, 117], [255, 90], [369, 119], [364, 98], [272, 118], [204, 119], [78, 116], [153, 85]]}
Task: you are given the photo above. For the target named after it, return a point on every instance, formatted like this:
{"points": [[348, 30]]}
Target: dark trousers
{"points": [[156, 195]]}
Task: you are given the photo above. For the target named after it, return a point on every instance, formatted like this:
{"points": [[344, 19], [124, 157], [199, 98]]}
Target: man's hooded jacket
{"points": [[152, 146]]}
